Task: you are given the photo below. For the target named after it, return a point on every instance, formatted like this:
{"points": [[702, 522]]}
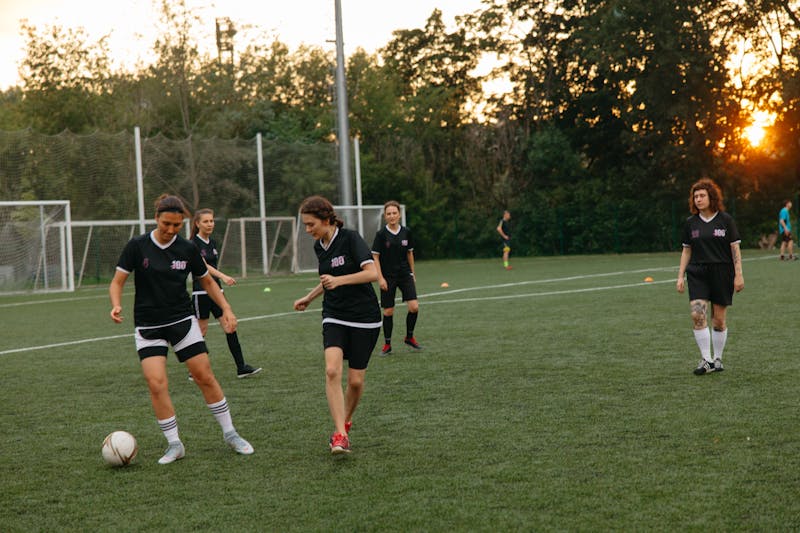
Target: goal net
{"points": [[97, 245], [367, 219], [258, 245], [35, 247]]}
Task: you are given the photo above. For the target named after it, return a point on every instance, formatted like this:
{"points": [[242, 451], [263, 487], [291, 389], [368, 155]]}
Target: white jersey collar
{"points": [[325, 247], [709, 219], [162, 246]]}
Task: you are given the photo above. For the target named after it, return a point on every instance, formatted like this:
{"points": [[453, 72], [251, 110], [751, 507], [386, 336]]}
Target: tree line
{"points": [[615, 107]]}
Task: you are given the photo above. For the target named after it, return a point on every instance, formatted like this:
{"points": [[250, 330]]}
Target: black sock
{"points": [[388, 324], [235, 348], [411, 322]]}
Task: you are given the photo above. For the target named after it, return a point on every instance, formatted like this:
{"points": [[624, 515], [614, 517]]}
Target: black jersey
{"points": [[392, 249], [160, 276], [208, 250], [710, 240], [348, 304], [505, 225]]}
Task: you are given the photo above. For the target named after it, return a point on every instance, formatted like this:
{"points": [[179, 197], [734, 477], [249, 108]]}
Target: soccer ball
{"points": [[119, 448]]}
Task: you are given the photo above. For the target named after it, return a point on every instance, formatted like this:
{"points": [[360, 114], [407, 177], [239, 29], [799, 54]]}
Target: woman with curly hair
{"points": [[711, 262]]}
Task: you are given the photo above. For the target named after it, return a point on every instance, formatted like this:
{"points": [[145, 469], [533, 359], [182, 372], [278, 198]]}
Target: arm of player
{"points": [[228, 319], [738, 276], [302, 304], [226, 279], [381, 280], [686, 255], [368, 274], [410, 257], [115, 293], [501, 232]]}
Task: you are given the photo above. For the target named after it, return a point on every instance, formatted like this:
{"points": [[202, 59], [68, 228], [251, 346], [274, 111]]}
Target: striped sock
{"points": [[222, 413], [169, 427]]}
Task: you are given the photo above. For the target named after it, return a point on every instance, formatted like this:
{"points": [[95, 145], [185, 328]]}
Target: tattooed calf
{"points": [[699, 313]]}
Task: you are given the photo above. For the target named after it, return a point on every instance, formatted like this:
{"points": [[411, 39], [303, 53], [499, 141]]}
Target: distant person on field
{"points": [[202, 228], [393, 251], [785, 230], [712, 263], [504, 229], [351, 317], [162, 315]]}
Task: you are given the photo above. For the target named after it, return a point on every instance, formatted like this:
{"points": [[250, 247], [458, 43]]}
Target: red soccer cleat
{"points": [[339, 444], [411, 341]]}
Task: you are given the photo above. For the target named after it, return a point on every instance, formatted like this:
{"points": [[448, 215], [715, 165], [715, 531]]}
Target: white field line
{"points": [[53, 301], [573, 278], [448, 301], [548, 293], [96, 339]]}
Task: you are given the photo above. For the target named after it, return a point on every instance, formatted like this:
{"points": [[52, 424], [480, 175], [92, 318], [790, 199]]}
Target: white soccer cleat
{"points": [[174, 452], [238, 443]]}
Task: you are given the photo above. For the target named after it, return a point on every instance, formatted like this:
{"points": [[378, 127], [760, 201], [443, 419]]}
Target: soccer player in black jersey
{"points": [[351, 318], [712, 264], [202, 228], [504, 229], [393, 250], [162, 314]]}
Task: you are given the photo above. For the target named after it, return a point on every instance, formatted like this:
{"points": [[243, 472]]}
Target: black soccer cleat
{"points": [[246, 371], [703, 368], [411, 341]]}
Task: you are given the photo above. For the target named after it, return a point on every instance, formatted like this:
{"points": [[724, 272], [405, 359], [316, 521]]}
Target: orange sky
{"points": [[366, 23]]}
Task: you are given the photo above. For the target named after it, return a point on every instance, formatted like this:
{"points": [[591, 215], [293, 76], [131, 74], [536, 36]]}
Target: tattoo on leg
{"points": [[699, 310]]}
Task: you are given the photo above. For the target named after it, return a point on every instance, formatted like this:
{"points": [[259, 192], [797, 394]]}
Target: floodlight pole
{"points": [[346, 193], [137, 136]]}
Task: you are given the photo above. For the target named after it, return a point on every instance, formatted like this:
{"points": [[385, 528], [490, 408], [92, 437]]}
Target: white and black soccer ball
{"points": [[119, 448]]}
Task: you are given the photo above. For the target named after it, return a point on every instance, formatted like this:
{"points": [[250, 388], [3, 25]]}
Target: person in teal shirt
{"points": [[785, 231]]}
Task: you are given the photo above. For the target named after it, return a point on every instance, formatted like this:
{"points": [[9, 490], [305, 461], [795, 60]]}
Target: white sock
{"points": [[718, 339], [169, 427], [703, 338], [222, 413]]}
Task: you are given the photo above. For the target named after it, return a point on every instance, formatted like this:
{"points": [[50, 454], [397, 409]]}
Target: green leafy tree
{"points": [[433, 69], [63, 79]]}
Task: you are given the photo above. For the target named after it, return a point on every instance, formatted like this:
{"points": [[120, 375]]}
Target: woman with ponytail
{"points": [[351, 317], [204, 306], [162, 315]]}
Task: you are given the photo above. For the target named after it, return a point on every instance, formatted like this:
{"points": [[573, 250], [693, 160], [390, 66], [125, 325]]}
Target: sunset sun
{"points": [[755, 132]]}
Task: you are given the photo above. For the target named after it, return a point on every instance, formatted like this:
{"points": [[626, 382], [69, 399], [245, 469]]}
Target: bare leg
{"points": [[355, 388], [200, 368], [334, 362], [155, 373]]}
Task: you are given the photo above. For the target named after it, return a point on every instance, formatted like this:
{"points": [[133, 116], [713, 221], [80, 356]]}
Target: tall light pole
{"points": [[345, 185]]}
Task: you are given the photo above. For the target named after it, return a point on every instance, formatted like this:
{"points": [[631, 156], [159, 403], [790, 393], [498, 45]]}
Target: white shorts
{"points": [[184, 336]]}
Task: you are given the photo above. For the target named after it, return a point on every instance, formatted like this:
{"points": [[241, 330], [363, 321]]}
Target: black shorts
{"points": [[787, 236], [184, 336], [356, 343], [205, 306], [712, 282], [407, 288]]}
